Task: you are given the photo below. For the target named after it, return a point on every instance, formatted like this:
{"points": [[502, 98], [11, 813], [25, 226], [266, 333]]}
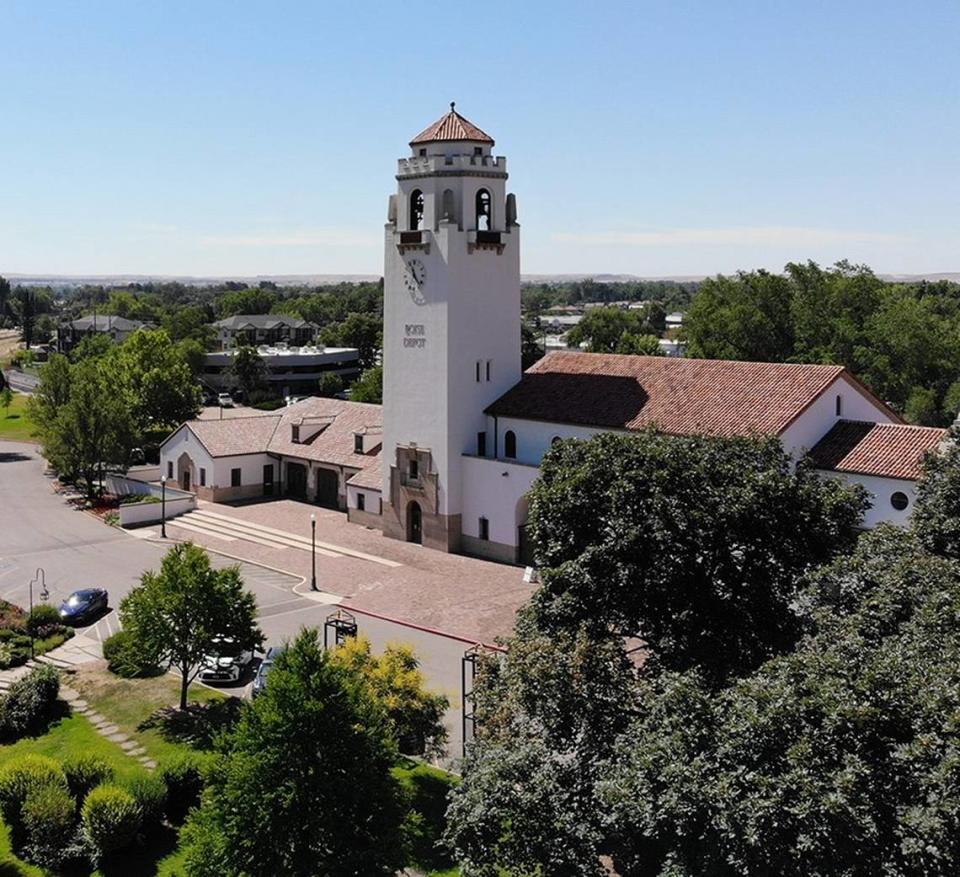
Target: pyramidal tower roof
{"points": [[452, 126]]}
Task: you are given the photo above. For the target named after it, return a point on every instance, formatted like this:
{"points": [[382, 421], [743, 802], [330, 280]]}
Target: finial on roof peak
{"points": [[453, 103]]}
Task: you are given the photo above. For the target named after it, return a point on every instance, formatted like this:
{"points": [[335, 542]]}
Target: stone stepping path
{"points": [[106, 728]]}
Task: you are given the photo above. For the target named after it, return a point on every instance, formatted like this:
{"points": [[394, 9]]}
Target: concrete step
{"points": [[227, 533], [59, 663], [301, 541], [254, 532]]}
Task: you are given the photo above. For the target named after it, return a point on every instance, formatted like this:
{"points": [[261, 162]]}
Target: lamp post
{"points": [[313, 552], [163, 507]]}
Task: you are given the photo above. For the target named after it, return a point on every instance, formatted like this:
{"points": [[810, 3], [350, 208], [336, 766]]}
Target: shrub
{"points": [[150, 793], [125, 658], [49, 816], [111, 819], [21, 776], [6, 655], [183, 777], [29, 702], [7, 634], [269, 404], [41, 616], [112, 519], [85, 772]]}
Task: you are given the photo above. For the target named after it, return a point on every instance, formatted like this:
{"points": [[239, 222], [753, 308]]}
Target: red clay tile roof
{"points": [[236, 435], [370, 478], [679, 396], [335, 443], [891, 450], [452, 126]]}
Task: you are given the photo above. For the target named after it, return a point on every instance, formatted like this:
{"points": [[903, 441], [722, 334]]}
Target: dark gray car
{"points": [[266, 665]]}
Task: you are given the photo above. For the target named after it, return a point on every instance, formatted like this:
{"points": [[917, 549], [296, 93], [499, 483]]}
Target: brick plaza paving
{"points": [[469, 598]]}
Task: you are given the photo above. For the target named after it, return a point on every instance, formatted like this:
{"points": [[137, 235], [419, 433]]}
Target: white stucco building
{"points": [[450, 458]]}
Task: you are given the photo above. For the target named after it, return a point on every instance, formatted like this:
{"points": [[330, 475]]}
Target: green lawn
{"points": [[15, 423], [131, 704]]}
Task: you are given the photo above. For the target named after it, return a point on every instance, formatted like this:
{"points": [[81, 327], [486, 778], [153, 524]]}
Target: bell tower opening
{"points": [[416, 210], [483, 210]]}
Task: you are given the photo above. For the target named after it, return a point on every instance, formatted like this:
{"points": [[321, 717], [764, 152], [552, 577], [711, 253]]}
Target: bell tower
{"points": [[451, 331]]}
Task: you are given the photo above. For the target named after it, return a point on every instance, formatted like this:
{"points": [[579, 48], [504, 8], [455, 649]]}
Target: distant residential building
{"points": [[289, 370], [674, 321], [118, 329], [264, 330], [671, 347]]}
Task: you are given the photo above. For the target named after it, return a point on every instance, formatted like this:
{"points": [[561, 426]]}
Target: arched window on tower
{"points": [[510, 445], [483, 210], [416, 210]]}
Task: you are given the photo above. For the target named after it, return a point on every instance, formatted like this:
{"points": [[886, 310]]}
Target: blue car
{"points": [[260, 680], [83, 606]]}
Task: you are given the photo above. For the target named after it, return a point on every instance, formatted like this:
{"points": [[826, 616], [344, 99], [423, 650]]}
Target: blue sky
{"points": [[647, 138]]}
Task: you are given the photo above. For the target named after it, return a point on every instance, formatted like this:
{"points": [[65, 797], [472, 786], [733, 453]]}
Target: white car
{"points": [[226, 661], [225, 400]]}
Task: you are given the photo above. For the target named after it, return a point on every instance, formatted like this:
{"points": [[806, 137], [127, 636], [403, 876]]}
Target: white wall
{"points": [[493, 489], [534, 437], [152, 512], [251, 470], [184, 441], [821, 416], [880, 490], [372, 501]]}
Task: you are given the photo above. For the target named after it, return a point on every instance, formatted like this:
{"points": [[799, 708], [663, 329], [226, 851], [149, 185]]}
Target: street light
{"points": [[313, 552], [163, 506]]}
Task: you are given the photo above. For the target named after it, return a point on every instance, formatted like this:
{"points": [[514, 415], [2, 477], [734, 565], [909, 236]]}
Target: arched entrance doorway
{"points": [[185, 471], [414, 523], [328, 489], [297, 480]]}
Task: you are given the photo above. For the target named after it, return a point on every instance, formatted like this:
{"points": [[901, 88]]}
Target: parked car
{"points": [[226, 662], [83, 606], [225, 400], [266, 665]]}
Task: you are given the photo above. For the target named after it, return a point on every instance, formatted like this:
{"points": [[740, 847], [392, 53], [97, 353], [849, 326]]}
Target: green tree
{"points": [[91, 346], [156, 378], [6, 400], [363, 331], [936, 512], [25, 305], [394, 678], [244, 301], [4, 299], [303, 785], [173, 616], [640, 345], [603, 330], [329, 384], [89, 431], [839, 758], [369, 388], [697, 544], [248, 369]]}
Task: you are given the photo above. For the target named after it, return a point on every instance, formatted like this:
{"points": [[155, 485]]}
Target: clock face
{"points": [[414, 278]]}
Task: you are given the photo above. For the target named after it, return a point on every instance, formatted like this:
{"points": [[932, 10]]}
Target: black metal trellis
{"points": [[343, 624], [468, 674]]}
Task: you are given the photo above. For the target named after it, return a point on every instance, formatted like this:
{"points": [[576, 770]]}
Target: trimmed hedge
{"points": [[111, 819], [21, 776], [29, 703], [85, 772], [150, 793], [183, 776], [49, 818], [124, 657]]}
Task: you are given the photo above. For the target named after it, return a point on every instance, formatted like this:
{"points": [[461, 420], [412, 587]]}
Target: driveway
{"points": [[40, 530]]}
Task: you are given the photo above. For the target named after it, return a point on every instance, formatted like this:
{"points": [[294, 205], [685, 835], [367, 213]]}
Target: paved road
{"points": [[39, 529]]}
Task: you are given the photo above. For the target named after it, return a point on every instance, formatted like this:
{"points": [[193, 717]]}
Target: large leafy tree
{"points": [[837, 759], [157, 379], [696, 544], [173, 616], [612, 330], [369, 387], [936, 513], [83, 420], [303, 785], [363, 331], [248, 369]]}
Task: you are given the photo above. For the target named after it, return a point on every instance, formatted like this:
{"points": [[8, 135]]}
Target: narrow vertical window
{"points": [[478, 371], [361, 502], [203, 477], [483, 210], [484, 529], [488, 369], [416, 210], [414, 469], [481, 444], [510, 445], [839, 405], [169, 469]]}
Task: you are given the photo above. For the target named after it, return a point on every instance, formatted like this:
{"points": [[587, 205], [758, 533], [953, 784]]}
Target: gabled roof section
{"points": [[889, 450], [235, 436], [678, 396], [452, 126], [261, 321]]}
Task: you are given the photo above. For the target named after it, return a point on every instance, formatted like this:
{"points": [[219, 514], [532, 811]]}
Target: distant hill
{"points": [[72, 280]]}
